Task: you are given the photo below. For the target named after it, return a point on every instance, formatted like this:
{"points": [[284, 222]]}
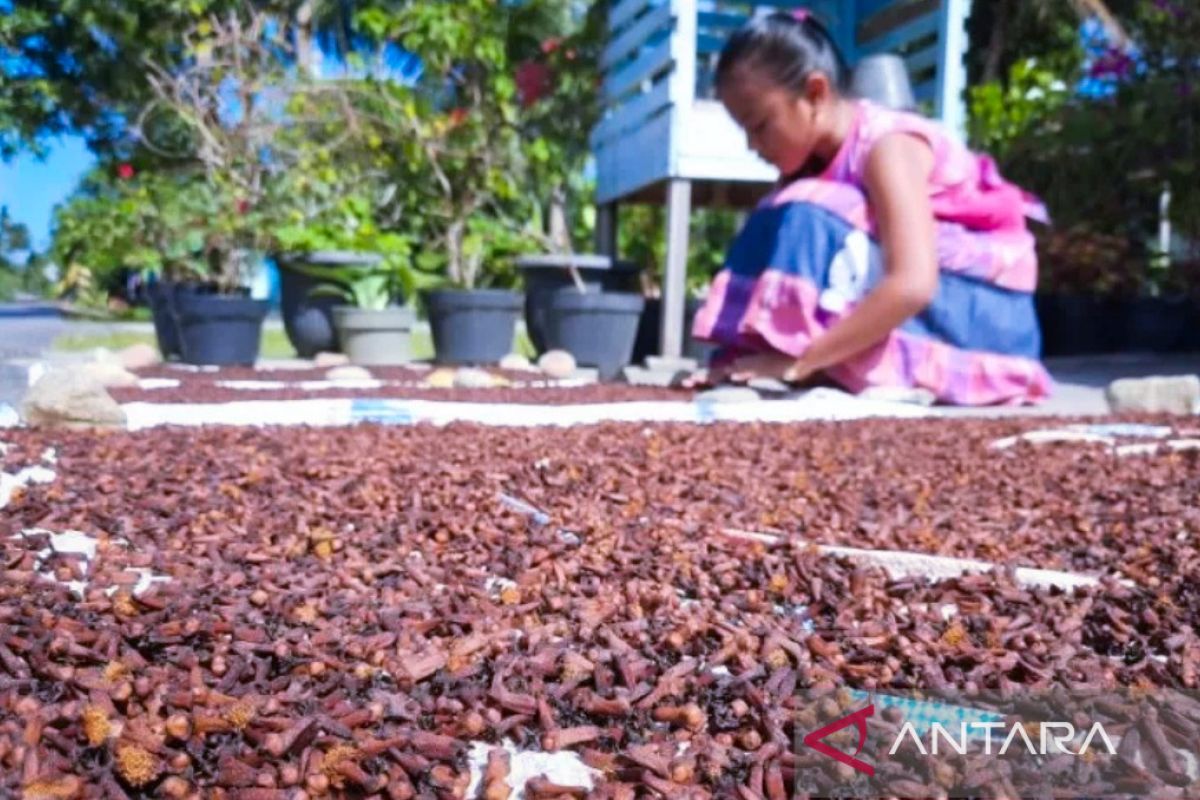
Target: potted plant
{"points": [[337, 255], [457, 127], [370, 328], [589, 305], [1083, 274], [225, 113], [148, 221]]}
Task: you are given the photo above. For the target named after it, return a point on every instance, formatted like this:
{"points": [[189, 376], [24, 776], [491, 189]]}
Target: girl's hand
{"points": [[748, 368], [761, 365], [707, 378]]}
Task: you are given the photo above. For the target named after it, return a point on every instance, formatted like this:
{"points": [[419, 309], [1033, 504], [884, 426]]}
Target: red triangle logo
{"points": [[858, 719]]}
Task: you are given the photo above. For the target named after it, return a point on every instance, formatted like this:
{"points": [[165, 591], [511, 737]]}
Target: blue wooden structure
{"points": [[665, 138]]}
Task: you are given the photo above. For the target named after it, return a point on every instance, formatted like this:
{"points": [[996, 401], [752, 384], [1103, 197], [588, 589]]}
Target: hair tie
{"points": [[801, 14]]}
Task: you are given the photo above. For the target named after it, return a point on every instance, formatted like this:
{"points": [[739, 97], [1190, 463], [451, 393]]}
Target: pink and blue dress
{"points": [[810, 253]]}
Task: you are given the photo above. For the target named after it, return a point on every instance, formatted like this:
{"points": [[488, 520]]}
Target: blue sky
{"points": [[31, 188]]}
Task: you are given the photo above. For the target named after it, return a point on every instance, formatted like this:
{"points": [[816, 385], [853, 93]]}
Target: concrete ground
{"points": [[1080, 382], [27, 331]]}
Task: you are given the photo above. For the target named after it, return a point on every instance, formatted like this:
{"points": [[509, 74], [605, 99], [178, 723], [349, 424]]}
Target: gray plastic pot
{"points": [[308, 318], [375, 337], [884, 79], [472, 326], [598, 328]]}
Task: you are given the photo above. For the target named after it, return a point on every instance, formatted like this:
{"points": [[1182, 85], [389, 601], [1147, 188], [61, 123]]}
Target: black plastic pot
{"points": [[165, 329], [1154, 324], [598, 328], [1189, 342], [1077, 324], [474, 326], [221, 330], [166, 320], [546, 274], [649, 330]]}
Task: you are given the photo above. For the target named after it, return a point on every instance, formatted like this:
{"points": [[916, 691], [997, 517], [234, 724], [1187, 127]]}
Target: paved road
{"points": [[26, 331]]}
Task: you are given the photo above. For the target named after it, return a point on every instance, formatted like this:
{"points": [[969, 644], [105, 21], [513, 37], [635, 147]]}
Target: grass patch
{"points": [[117, 340], [274, 343]]}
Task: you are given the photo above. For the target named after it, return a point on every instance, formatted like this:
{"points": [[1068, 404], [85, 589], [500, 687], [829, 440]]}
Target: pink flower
{"points": [[550, 45], [1115, 64], [533, 82], [125, 171]]}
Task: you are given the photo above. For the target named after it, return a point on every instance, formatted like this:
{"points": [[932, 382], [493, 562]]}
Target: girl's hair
{"points": [[786, 48]]}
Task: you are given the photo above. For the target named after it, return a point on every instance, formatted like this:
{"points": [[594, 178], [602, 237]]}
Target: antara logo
{"points": [[859, 720]]}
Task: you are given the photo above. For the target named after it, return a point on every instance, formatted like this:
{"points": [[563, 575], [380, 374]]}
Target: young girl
{"points": [[889, 256]]}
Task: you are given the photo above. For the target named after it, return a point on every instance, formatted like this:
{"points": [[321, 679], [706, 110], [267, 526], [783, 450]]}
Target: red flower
{"points": [[552, 44], [243, 205], [125, 171], [457, 117], [533, 82]]}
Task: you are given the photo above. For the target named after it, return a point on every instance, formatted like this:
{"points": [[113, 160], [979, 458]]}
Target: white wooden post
{"points": [[952, 71], [674, 290], [679, 192]]}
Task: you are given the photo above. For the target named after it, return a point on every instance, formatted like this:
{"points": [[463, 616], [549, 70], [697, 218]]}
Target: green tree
{"points": [[14, 240], [79, 66], [459, 130]]}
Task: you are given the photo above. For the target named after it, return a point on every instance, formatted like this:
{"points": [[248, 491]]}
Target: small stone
{"points": [[139, 356], [672, 365], [1170, 394], [729, 394], [472, 378], [439, 379], [348, 373], [641, 376], [70, 398], [557, 364], [109, 374], [328, 360], [516, 362]]}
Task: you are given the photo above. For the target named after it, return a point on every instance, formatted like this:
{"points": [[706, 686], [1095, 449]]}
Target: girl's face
{"points": [[784, 128]]}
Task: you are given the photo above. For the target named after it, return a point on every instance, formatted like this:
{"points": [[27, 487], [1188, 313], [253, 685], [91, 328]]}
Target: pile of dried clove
{"points": [[349, 611]]}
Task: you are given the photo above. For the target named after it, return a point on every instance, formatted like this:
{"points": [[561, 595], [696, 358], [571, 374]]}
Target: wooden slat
{"points": [[649, 63], [625, 10], [632, 113], [897, 38], [627, 165], [707, 43], [893, 16], [721, 19], [635, 36], [923, 60]]}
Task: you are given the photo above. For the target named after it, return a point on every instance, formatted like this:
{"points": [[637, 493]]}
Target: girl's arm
{"points": [[897, 180]]}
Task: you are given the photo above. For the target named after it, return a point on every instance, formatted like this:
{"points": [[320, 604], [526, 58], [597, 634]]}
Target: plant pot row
{"points": [[606, 327], [1086, 324], [196, 324], [477, 327]]}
